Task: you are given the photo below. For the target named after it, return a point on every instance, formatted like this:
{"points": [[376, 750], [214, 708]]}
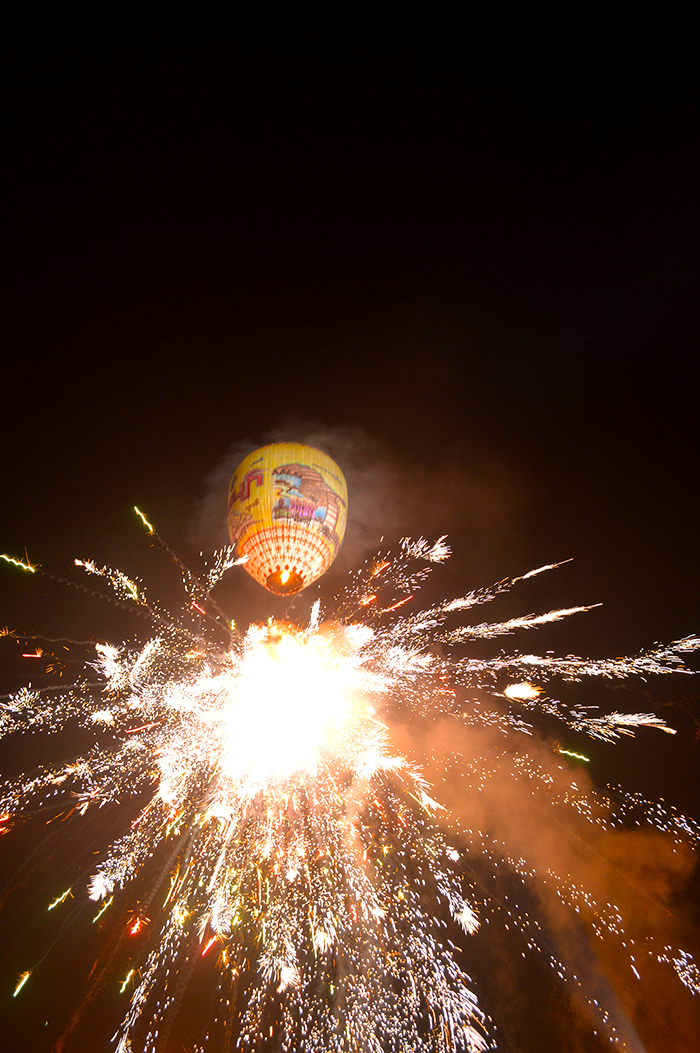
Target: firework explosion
{"points": [[278, 831]]}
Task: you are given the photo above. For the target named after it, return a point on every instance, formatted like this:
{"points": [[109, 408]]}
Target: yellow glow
{"points": [[18, 563], [522, 691], [144, 520], [22, 981], [284, 577]]}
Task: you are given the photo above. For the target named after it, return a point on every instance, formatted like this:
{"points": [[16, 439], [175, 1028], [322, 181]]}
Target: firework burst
{"points": [[279, 831]]}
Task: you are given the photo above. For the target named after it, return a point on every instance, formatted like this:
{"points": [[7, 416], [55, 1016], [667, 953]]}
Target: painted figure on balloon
{"points": [[304, 494]]}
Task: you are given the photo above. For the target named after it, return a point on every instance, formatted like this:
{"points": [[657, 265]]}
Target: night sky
{"points": [[468, 268]]}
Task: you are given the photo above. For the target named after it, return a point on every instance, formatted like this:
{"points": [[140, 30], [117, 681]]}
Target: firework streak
{"points": [[270, 825]]}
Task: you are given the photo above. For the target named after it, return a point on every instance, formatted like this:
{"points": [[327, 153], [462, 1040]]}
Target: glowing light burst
{"points": [[276, 830]]}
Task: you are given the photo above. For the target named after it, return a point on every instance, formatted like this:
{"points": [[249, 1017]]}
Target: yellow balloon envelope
{"points": [[287, 510]]}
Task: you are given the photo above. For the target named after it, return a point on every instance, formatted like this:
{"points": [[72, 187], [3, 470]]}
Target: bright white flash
{"points": [[290, 700], [522, 691]]}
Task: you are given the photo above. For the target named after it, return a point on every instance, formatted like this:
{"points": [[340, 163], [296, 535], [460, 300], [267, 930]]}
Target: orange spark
{"points": [[399, 604]]}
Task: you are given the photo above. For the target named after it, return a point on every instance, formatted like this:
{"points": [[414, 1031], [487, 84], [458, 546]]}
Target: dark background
{"points": [[465, 258]]}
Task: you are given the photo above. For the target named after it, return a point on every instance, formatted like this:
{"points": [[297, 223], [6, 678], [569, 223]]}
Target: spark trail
{"points": [[271, 824]]}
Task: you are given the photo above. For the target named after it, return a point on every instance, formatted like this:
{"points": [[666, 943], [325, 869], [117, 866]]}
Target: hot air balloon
{"points": [[287, 510]]}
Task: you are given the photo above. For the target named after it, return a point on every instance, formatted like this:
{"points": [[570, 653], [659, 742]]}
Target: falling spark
{"points": [[396, 605], [25, 565], [145, 522], [541, 570], [104, 908], [210, 943], [60, 899], [22, 981], [290, 831], [143, 727], [570, 753], [127, 980]]}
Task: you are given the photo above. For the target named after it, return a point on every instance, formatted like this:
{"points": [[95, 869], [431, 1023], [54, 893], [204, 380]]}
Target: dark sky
{"points": [[469, 261], [476, 258]]}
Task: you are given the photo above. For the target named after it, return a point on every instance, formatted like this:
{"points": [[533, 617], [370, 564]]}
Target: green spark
{"points": [[570, 753]]}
